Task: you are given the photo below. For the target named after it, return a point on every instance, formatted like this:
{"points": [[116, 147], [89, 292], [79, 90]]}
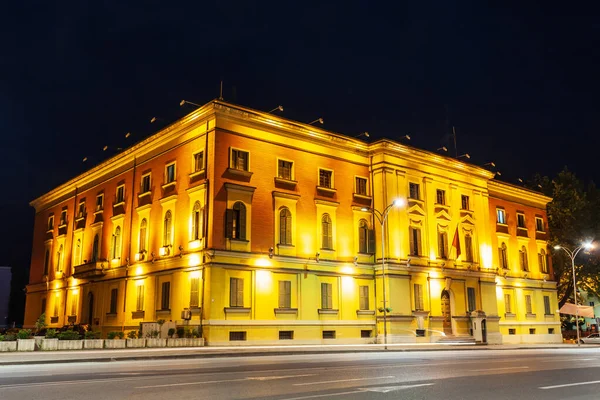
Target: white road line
{"points": [[569, 385], [496, 369], [387, 389], [342, 380], [58, 383], [256, 378], [323, 395]]}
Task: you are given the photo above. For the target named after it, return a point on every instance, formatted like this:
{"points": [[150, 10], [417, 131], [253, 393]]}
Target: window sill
{"points": [[79, 219], [549, 315], [362, 196], [239, 240], [62, 226], [112, 315], [120, 203], [509, 315], [240, 172], [285, 246], [530, 315], [163, 311], [198, 173], [326, 189], [327, 311], [144, 194], [237, 310], [285, 182], [286, 311], [168, 185], [501, 224], [365, 312], [98, 211]]}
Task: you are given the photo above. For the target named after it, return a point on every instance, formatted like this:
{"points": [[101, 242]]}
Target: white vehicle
{"points": [[594, 338]]}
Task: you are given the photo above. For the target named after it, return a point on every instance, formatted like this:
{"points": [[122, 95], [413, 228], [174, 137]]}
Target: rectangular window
{"points": [[328, 334], [418, 296], [542, 261], [521, 221], [114, 295], [51, 222], [199, 161], [507, 303], [140, 298], [440, 197], [239, 159], [81, 209], [363, 295], [528, 308], [194, 292], [99, 202], [364, 334], [235, 336], [471, 299], [539, 224], [285, 294], [145, 183], [326, 296], [500, 216], [63, 217], [512, 331], [286, 335], [464, 202], [120, 198], [361, 186], [74, 303], [170, 173], [414, 236], [165, 296], [551, 331], [236, 292], [325, 178], [442, 245], [284, 169], [547, 309], [413, 190], [532, 331]]}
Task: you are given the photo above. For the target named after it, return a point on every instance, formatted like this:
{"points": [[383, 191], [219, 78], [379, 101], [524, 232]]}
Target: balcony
{"points": [[89, 270]]}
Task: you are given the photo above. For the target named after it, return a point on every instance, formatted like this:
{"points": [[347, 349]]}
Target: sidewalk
{"points": [[106, 355]]}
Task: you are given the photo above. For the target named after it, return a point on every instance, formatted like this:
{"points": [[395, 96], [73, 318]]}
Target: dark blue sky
{"points": [[520, 84]]}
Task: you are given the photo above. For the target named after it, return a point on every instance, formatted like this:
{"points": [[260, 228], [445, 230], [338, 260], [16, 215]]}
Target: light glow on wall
{"points": [[262, 262], [264, 280], [195, 274], [486, 256], [347, 285], [348, 270], [194, 260], [195, 244], [139, 270]]}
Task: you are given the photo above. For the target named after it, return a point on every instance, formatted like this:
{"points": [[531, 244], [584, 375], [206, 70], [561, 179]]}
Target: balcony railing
{"points": [[91, 269]]}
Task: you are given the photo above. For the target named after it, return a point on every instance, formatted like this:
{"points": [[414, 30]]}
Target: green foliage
{"points": [[69, 335], [180, 332], [9, 337], [41, 322], [171, 332], [132, 335], [160, 322], [116, 335], [51, 334], [92, 335], [195, 333], [153, 334], [24, 334], [121, 335]]}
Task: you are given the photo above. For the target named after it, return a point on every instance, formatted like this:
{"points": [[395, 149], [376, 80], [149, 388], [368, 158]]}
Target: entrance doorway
{"points": [[446, 313]]}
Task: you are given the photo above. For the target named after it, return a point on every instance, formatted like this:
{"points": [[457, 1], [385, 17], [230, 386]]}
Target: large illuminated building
{"points": [[255, 229]]}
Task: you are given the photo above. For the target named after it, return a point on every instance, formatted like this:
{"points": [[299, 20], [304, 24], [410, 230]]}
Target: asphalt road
{"points": [[465, 374]]}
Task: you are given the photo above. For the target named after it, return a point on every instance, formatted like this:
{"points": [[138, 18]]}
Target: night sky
{"points": [[519, 84]]}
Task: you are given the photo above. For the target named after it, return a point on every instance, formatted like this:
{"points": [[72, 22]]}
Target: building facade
{"points": [[255, 229]]}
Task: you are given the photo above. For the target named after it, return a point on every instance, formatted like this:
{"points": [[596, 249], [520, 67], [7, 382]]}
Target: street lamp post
{"points": [[381, 217], [572, 253]]}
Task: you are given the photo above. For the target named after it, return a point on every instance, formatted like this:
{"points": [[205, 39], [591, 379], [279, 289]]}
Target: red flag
{"points": [[456, 243]]}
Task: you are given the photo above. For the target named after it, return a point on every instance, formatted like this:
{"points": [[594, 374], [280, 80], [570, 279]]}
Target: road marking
{"points": [[342, 380], [324, 395], [496, 369], [58, 383], [569, 385], [256, 378], [387, 389]]}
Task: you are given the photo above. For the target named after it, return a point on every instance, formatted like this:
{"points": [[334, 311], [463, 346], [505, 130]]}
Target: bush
{"points": [[9, 337], [120, 335], [40, 323], [51, 334], [180, 332], [160, 322], [195, 333], [132, 335], [69, 335], [171, 332], [24, 334], [92, 335]]}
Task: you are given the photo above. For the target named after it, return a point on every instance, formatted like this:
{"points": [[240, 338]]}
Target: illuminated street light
{"points": [[572, 254], [381, 217]]}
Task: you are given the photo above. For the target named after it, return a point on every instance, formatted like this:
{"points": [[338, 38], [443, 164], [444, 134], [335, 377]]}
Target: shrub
{"points": [[180, 332], [51, 334], [120, 335], [9, 337], [188, 333], [171, 332], [195, 333], [40, 323], [92, 335], [69, 335], [160, 322], [132, 335], [24, 334], [1, 338]]}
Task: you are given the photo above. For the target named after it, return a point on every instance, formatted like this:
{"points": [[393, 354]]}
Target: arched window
{"points": [[543, 261], [285, 226], [95, 248], [326, 235], [46, 262], [59, 259], [116, 244], [236, 222], [468, 248], [523, 259], [168, 229], [503, 256], [143, 235], [363, 236], [196, 221], [77, 259]]}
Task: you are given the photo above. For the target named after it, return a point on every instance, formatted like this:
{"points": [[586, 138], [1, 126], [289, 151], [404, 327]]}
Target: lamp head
{"points": [[317, 256], [270, 252], [399, 202], [557, 247], [588, 245], [182, 102], [443, 148], [355, 261], [280, 108], [153, 120]]}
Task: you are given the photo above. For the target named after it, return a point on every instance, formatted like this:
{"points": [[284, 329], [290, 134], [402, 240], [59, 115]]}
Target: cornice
{"points": [[507, 191]]}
